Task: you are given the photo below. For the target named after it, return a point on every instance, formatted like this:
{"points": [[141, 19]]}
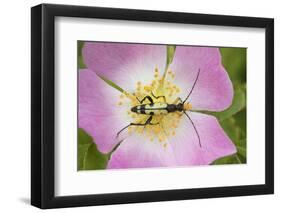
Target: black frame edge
{"points": [[36, 49], [158, 196], [269, 110], [42, 105], [156, 16]]}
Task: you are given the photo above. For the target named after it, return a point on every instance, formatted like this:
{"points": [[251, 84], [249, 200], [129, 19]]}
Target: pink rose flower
{"points": [[141, 70]]}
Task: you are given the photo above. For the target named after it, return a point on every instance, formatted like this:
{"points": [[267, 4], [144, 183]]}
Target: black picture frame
{"points": [[43, 105]]}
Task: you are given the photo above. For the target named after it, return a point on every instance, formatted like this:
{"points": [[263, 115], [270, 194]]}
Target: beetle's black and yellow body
{"points": [[157, 108], [162, 108]]}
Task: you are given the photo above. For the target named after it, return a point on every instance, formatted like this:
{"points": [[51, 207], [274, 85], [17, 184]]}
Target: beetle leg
{"points": [[148, 122], [177, 100], [157, 97], [147, 97]]}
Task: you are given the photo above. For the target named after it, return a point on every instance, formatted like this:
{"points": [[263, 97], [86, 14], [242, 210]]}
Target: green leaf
{"points": [[238, 103], [89, 158], [82, 150], [231, 129], [81, 64], [227, 160], [232, 159], [94, 159], [234, 61], [241, 143], [84, 141], [169, 58], [170, 54], [84, 138], [112, 84], [241, 150], [240, 119], [234, 132], [241, 154]]}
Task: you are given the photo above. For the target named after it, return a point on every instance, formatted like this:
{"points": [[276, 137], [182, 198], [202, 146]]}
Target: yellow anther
{"points": [[147, 88], [164, 145], [129, 95], [122, 96], [187, 106], [157, 130], [138, 83], [120, 103], [134, 102], [156, 70]]}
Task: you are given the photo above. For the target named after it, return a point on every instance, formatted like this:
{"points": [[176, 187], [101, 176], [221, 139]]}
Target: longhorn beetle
{"points": [[161, 108]]}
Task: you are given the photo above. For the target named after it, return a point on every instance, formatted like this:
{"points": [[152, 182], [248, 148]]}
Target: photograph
{"points": [[140, 106], [160, 105], [136, 105]]}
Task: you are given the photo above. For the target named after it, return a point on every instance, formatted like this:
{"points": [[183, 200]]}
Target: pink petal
{"points": [[214, 141], [137, 152], [125, 64], [213, 90], [182, 150], [99, 114]]}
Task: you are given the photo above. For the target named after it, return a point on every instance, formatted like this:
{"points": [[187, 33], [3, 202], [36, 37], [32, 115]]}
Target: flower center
{"points": [[162, 91]]}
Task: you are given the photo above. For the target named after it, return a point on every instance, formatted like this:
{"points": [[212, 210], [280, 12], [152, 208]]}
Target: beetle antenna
{"points": [[192, 86], [122, 130], [194, 128]]}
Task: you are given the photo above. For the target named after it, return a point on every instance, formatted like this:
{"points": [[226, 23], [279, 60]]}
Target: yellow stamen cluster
{"points": [[167, 123], [171, 89]]}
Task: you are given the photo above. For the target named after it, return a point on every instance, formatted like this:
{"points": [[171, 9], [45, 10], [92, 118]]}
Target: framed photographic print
{"points": [[140, 106]]}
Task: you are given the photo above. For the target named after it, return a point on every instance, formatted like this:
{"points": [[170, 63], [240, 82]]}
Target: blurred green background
{"points": [[232, 120]]}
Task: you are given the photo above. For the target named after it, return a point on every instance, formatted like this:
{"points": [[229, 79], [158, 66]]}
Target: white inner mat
{"points": [[70, 182]]}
